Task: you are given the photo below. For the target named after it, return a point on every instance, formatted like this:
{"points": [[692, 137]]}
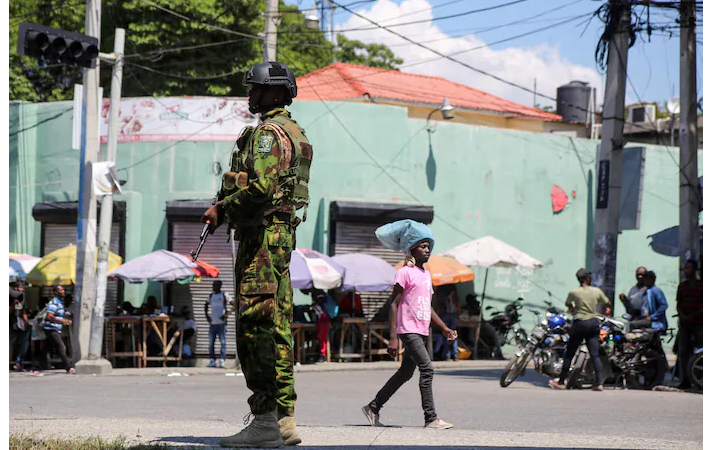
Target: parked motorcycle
{"points": [[695, 368], [545, 346], [506, 324], [635, 357]]}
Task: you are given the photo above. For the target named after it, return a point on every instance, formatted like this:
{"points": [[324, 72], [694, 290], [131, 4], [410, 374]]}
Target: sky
{"points": [[561, 49]]}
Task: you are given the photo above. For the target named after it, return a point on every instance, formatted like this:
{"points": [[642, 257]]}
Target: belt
{"points": [[281, 217]]}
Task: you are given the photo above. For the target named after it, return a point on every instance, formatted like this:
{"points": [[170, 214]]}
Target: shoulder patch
{"points": [[265, 143]]}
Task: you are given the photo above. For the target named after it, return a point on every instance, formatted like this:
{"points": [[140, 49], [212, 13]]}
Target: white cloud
{"points": [[516, 63]]}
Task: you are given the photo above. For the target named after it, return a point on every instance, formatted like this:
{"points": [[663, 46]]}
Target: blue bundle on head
{"points": [[404, 234]]}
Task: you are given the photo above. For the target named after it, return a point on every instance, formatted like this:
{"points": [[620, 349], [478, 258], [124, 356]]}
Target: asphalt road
{"points": [[191, 410]]}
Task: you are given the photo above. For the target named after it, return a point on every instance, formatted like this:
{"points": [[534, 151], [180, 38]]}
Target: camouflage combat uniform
{"points": [[259, 207]]}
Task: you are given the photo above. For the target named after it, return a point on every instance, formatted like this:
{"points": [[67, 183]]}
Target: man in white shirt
{"points": [[218, 302]]}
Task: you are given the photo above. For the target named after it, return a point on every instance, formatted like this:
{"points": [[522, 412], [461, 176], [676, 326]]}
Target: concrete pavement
{"points": [[194, 410]]}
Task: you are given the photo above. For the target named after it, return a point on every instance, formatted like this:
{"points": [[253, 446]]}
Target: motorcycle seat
{"points": [[640, 335]]}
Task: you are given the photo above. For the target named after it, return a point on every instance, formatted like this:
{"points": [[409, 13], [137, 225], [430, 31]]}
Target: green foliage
{"points": [[372, 55], [159, 41]]}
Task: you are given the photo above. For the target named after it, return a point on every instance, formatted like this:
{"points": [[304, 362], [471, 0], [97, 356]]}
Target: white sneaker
{"points": [[438, 424], [221, 363]]}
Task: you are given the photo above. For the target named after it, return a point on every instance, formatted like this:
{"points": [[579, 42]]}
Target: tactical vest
{"points": [[292, 184], [292, 189]]}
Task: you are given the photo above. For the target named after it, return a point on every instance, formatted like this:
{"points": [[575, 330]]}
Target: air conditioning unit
{"points": [[642, 113]]}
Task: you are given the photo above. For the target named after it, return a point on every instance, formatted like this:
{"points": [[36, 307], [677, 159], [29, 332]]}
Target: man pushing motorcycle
{"points": [[583, 303]]}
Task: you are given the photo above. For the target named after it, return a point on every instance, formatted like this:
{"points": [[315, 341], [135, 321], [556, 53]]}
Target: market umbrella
{"points": [[490, 252], [309, 269], [204, 269], [21, 264], [161, 265], [365, 272], [59, 267], [445, 270]]}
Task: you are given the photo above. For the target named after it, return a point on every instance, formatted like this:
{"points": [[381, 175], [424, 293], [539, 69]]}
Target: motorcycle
{"points": [[545, 347], [695, 368], [633, 356], [505, 324]]}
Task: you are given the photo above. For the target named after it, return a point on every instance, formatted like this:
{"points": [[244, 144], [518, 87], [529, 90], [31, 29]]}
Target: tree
{"points": [[372, 55], [172, 56]]}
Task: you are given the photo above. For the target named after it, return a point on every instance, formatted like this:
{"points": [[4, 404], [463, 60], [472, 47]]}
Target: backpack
{"points": [[38, 324]]}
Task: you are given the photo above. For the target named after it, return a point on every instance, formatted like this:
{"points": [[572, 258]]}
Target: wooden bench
{"points": [[136, 344], [378, 339], [352, 325]]}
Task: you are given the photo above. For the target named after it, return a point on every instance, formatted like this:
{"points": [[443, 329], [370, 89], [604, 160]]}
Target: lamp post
{"points": [[448, 113]]}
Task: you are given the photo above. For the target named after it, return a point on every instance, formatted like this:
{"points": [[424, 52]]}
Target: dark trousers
{"points": [[54, 341], [689, 337], [23, 337], [588, 331], [416, 354]]}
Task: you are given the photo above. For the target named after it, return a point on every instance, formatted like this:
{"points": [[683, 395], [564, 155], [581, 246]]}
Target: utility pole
{"points": [[688, 139], [331, 22], [86, 225], [609, 170], [94, 364], [270, 43]]}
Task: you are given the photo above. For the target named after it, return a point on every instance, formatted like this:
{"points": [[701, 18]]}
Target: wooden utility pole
{"points": [[609, 170]]}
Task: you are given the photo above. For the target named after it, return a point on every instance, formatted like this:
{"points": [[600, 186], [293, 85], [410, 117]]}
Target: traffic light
{"points": [[57, 46]]}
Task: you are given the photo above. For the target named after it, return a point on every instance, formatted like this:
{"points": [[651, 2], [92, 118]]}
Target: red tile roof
{"points": [[341, 81]]}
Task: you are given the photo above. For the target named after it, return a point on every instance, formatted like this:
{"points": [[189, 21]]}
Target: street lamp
{"points": [[312, 20], [448, 113]]}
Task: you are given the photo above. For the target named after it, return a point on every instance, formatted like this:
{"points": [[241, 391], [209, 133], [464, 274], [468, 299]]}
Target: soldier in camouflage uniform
{"points": [[266, 185]]}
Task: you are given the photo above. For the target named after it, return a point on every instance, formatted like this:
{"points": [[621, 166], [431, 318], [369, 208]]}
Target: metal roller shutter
{"points": [[358, 237], [217, 252], [58, 235]]}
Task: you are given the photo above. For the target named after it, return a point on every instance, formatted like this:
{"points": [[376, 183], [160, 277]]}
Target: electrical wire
{"points": [[434, 19], [41, 122], [214, 27], [185, 77]]}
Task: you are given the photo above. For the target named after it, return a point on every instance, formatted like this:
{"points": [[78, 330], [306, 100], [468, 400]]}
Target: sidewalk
{"points": [[327, 367], [203, 435]]}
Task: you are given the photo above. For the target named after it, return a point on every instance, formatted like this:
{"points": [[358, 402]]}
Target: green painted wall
{"points": [[481, 181]]}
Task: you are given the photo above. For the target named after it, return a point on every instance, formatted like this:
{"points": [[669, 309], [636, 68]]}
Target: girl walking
{"points": [[410, 317]]}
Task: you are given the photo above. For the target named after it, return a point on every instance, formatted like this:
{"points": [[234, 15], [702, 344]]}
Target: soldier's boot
{"points": [[262, 432], [288, 430]]}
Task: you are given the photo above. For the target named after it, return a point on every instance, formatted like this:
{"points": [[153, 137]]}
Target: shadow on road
{"points": [[530, 377], [209, 443]]}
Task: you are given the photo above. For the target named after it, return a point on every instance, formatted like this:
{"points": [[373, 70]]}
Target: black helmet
{"points": [[272, 74]]}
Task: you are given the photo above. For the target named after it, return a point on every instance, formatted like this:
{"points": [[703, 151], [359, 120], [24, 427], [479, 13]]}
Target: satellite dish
{"points": [[674, 105]]}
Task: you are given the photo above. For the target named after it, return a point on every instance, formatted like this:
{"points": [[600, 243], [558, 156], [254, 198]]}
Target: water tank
{"points": [[573, 101]]}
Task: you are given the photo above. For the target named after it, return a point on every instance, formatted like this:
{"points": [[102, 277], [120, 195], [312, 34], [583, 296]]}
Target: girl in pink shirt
{"points": [[410, 317]]}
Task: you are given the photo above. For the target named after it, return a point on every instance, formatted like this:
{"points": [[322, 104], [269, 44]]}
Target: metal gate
{"points": [[358, 237], [217, 252]]}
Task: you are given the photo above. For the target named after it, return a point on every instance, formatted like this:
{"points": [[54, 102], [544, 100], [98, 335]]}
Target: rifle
{"points": [[205, 232]]}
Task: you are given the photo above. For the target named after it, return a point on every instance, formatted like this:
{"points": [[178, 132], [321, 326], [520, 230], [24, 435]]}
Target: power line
{"points": [[48, 119], [214, 27], [186, 77], [451, 16]]}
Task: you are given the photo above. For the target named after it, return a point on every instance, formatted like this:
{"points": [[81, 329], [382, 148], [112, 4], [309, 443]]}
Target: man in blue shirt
{"points": [[53, 324], [654, 305]]}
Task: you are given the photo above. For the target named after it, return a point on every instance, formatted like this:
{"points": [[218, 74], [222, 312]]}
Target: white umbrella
{"points": [[161, 265], [490, 252], [21, 265]]}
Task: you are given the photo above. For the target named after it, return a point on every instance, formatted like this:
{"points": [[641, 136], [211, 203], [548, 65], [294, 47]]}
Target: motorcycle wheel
{"points": [[695, 370], [654, 367], [514, 368]]}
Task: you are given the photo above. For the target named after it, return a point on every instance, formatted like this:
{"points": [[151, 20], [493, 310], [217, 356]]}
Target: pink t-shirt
{"points": [[414, 309]]}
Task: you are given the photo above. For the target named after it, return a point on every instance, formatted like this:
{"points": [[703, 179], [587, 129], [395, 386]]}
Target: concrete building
{"points": [[373, 163]]}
